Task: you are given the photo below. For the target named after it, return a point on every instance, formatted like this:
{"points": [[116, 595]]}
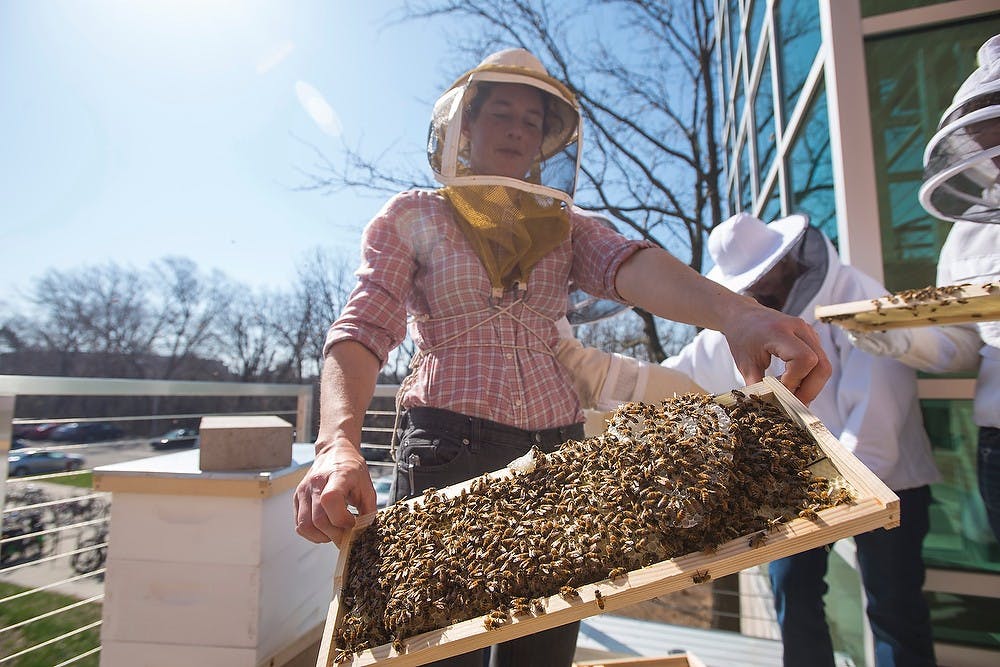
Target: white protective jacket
{"points": [[971, 254], [869, 404]]}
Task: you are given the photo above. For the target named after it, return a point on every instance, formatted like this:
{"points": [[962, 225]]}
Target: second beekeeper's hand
{"points": [[338, 478], [891, 343]]}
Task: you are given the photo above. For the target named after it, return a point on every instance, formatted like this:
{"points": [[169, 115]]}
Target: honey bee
{"points": [[599, 598], [616, 573], [701, 576], [569, 592], [757, 540], [809, 513]]}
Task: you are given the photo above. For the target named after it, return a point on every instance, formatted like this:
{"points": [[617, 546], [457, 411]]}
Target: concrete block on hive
{"points": [[245, 443]]}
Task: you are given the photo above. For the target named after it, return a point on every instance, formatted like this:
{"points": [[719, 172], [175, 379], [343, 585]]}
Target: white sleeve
{"points": [[943, 349], [603, 380]]}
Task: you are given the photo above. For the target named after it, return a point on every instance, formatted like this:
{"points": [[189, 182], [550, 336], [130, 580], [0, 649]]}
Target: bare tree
{"points": [[322, 286], [96, 309], [189, 305], [652, 161], [248, 343]]}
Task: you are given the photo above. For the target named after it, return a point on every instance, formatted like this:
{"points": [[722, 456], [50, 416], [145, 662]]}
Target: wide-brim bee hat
{"points": [[961, 171], [745, 248], [555, 168]]}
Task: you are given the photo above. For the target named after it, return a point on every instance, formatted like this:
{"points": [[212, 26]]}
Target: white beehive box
{"points": [[206, 568], [875, 506]]}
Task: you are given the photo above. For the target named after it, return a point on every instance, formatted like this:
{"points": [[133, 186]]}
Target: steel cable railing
{"points": [[54, 536]]}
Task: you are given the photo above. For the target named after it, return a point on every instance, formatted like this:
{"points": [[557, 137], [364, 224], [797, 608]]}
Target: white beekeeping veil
{"points": [[554, 171], [511, 222], [962, 160]]}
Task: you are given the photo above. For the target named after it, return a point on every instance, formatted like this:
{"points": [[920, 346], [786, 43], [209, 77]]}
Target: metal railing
{"points": [[53, 540]]}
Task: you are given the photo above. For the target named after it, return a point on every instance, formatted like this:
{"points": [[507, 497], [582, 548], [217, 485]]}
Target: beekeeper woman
{"points": [[481, 268]]}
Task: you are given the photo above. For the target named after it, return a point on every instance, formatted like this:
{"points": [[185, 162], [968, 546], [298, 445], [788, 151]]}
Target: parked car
{"points": [[382, 488], [86, 432], [40, 461], [179, 437], [373, 452], [37, 431]]}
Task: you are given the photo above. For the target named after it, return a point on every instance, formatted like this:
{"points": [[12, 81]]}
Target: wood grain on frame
{"points": [[971, 303]]}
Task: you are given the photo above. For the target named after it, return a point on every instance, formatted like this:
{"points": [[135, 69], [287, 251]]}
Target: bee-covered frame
{"points": [[875, 506]]}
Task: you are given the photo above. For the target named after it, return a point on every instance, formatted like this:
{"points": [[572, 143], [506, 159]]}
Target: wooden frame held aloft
{"points": [[875, 506]]}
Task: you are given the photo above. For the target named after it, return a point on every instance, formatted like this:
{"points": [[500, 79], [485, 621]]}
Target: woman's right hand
{"points": [[338, 477]]}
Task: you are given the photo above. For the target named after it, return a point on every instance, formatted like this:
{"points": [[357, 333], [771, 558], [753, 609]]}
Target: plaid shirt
{"points": [[479, 355]]}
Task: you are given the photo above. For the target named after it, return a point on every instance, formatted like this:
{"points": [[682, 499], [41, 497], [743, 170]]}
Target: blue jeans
{"points": [[989, 475], [439, 448], [892, 571]]}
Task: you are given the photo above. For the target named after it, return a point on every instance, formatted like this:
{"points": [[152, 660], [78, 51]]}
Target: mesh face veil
{"points": [[962, 160], [553, 171], [512, 220]]}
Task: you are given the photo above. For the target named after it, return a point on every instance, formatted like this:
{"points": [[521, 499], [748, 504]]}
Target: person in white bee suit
{"points": [[869, 404], [962, 185]]}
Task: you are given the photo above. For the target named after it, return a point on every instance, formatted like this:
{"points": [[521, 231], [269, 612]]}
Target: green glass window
{"points": [[875, 7], [965, 619], [763, 110], [911, 80], [960, 537], [810, 169], [845, 610], [798, 39]]}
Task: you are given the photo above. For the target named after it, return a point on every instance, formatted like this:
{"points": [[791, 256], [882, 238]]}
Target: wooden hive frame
{"points": [[970, 303], [875, 506]]}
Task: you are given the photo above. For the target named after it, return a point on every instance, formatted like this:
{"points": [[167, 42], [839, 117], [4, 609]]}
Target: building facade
{"points": [[828, 105]]}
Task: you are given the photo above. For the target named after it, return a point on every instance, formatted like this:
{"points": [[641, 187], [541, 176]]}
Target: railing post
{"points": [[303, 416], [6, 436]]}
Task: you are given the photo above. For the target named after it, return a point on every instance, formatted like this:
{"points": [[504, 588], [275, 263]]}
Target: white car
{"points": [[382, 489], [23, 462]]}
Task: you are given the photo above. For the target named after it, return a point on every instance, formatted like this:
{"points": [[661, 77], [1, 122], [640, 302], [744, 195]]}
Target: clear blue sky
{"points": [[137, 129]]}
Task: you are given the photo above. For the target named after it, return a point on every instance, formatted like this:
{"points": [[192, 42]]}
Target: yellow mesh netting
{"points": [[510, 230]]}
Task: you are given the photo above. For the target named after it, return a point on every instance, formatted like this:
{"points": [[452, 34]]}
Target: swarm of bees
{"points": [[664, 480]]}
